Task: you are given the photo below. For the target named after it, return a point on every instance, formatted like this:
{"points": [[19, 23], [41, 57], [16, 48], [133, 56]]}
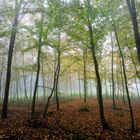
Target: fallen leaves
{"points": [[69, 123]]}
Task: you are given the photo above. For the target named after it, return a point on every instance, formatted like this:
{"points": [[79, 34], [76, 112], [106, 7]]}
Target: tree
{"points": [[38, 66], [125, 77], [99, 85], [133, 15], [112, 73], [57, 24], [85, 73], [10, 56]]}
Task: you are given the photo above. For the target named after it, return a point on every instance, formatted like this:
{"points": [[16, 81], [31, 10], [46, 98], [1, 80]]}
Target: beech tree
{"points": [[133, 15], [10, 55]]}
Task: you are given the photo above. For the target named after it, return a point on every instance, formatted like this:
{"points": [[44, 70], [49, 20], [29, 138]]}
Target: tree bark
{"points": [[133, 15], [125, 78], [133, 61], [85, 72], [106, 85], [38, 71], [9, 63], [79, 81], [58, 71], [112, 73], [99, 86], [24, 81], [43, 80], [1, 77], [53, 89]]}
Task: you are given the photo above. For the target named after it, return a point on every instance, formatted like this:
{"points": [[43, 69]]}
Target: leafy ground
{"points": [[71, 122]]}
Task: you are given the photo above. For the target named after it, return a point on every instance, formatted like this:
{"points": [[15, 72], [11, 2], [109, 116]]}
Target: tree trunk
{"points": [[85, 72], [1, 77], [117, 84], [56, 80], [133, 61], [9, 63], [43, 81], [58, 71], [36, 81], [32, 73], [53, 89], [17, 89], [106, 85], [99, 86], [122, 82], [24, 81], [79, 81], [125, 78], [38, 71], [31, 85], [112, 73], [133, 15]]}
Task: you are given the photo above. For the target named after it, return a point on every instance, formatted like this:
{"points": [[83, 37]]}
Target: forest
{"points": [[69, 70]]}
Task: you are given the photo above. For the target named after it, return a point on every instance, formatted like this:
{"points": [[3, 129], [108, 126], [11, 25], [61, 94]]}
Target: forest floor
{"points": [[70, 122]]}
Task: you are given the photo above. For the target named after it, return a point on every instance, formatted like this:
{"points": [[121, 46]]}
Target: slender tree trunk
{"points": [[110, 85], [56, 79], [112, 73], [38, 71], [17, 82], [11, 91], [125, 78], [31, 85], [56, 90], [133, 15], [14, 90], [122, 82], [91, 90], [36, 81], [24, 81], [118, 87], [1, 77], [85, 72], [17, 89], [44, 89], [53, 89], [9, 63], [3, 85], [106, 85], [31, 79], [132, 58], [20, 89], [58, 71], [99, 85], [79, 81], [43, 80]]}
